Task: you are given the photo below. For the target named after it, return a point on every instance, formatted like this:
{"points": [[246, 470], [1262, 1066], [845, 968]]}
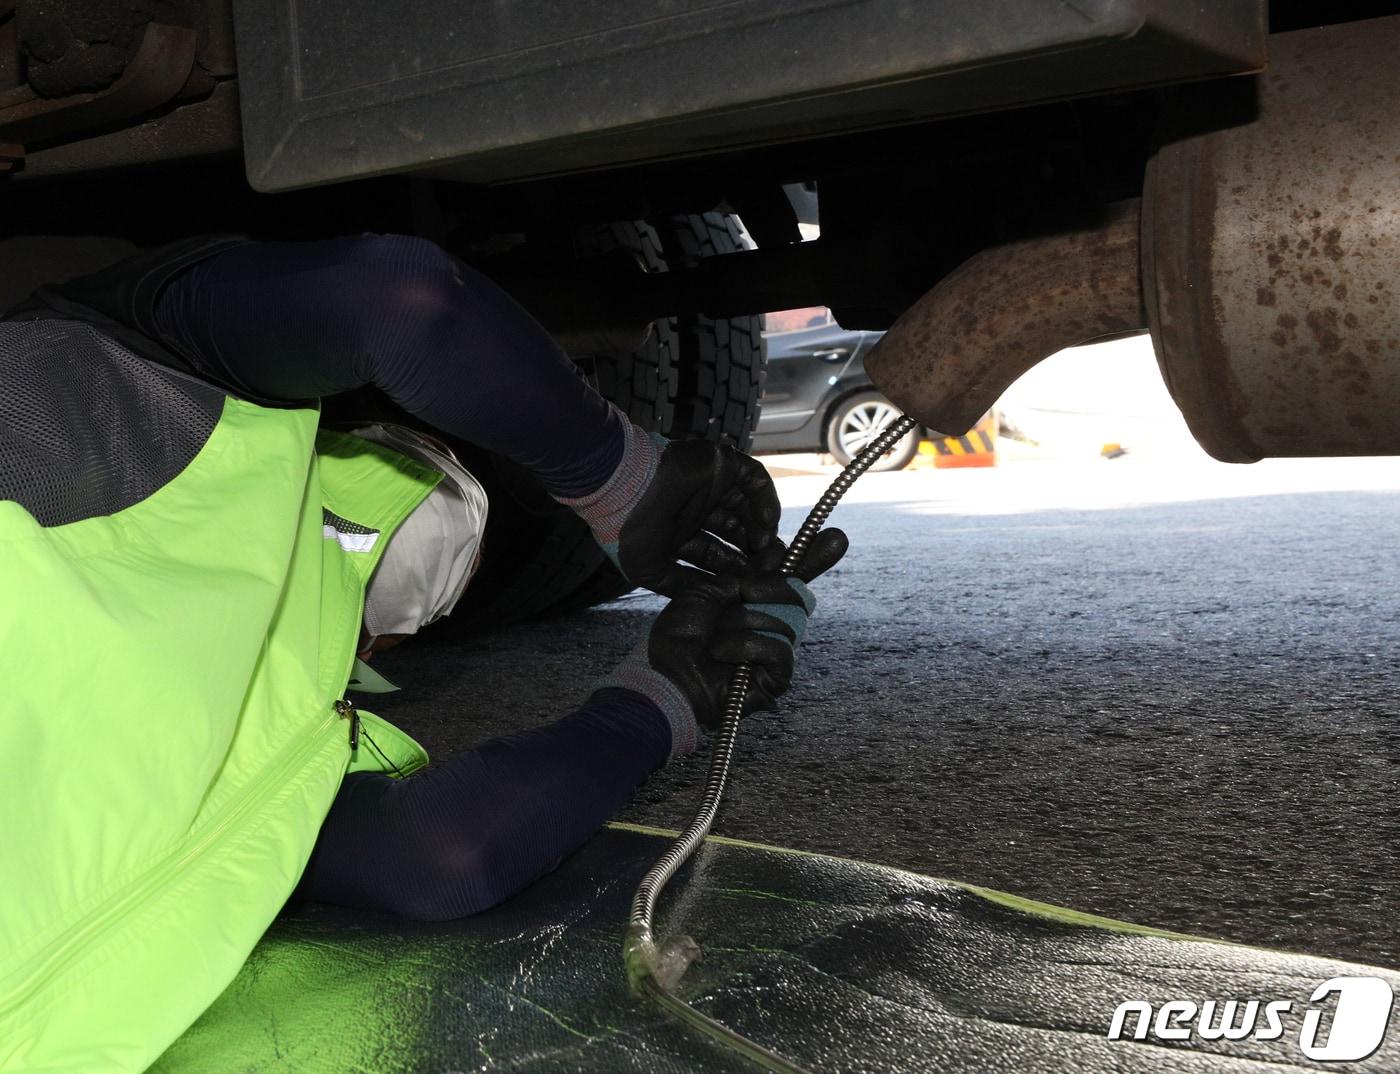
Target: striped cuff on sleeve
{"points": [[635, 674], [607, 509]]}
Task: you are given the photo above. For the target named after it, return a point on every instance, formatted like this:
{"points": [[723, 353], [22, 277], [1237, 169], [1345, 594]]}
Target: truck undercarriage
{"points": [[993, 183]]}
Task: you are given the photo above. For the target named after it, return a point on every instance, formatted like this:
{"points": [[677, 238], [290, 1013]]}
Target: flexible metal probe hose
{"points": [[654, 970]]}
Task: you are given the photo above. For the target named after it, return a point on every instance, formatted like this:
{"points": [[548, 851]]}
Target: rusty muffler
{"points": [[1269, 254]]}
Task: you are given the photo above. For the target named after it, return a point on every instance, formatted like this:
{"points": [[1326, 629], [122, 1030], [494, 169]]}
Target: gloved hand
{"points": [[672, 501], [756, 616]]}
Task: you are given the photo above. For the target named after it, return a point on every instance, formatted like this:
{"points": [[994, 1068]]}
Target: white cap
{"points": [[432, 556]]}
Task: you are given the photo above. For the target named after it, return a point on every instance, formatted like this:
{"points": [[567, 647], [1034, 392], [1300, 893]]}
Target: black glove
{"points": [[702, 492], [756, 616], [672, 501]]}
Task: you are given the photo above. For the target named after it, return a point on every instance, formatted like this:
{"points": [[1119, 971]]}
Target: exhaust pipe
{"points": [[949, 357]]}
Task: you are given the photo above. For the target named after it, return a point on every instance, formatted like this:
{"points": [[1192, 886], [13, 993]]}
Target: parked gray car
{"points": [[818, 397]]}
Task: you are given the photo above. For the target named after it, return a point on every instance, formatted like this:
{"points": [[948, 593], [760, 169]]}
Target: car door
{"points": [[808, 352]]}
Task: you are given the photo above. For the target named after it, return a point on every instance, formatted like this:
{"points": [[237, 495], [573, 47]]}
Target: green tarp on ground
{"points": [[838, 965]]}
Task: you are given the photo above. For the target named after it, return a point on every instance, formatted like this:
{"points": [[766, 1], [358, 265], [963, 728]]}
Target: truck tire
{"points": [[720, 372]]}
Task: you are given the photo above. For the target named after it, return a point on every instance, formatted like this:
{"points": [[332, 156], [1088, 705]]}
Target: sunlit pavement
{"points": [[1026, 482]]}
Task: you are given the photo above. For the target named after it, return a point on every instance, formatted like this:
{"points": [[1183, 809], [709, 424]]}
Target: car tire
{"points": [[857, 420]]}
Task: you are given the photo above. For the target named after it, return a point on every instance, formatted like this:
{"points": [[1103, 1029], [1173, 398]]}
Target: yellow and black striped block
{"points": [[977, 447]]}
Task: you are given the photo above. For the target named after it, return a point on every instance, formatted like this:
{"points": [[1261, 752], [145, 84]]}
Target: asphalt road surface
{"points": [[1164, 691]]}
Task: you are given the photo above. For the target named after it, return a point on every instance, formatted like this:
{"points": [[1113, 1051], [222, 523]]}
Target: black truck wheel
{"points": [[720, 372]]}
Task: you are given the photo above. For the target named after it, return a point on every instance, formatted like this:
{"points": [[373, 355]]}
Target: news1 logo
{"points": [[1357, 1028]]}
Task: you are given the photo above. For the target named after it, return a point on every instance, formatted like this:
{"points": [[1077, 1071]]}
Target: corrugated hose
{"points": [[654, 970]]}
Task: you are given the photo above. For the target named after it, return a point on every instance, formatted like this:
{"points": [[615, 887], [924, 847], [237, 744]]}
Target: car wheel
{"points": [[857, 421]]}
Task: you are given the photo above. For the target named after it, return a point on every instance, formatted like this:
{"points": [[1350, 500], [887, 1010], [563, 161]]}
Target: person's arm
{"points": [[301, 320], [461, 836], [296, 321]]}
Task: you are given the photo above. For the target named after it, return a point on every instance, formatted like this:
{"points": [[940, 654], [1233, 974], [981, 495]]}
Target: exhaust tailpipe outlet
{"points": [[1271, 256], [950, 356]]}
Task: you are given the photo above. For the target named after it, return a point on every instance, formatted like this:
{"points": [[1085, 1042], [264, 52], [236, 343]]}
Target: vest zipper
{"points": [[61, 950], [347, 711]]}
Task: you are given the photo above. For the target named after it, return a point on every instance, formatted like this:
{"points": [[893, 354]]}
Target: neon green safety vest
{"points": [[168, 705]]}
